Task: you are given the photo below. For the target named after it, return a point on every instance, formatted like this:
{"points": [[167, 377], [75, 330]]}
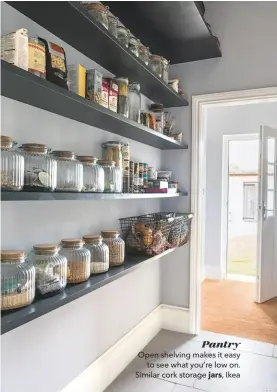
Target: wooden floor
{"points": [[228, 308]]}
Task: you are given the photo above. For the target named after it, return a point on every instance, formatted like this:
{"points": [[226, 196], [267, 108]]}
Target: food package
{"points": [[113, 96], [94, 85], [160, 184], [56, 67], [77, 79], [37, 57], [14, 48], [105, 93]]}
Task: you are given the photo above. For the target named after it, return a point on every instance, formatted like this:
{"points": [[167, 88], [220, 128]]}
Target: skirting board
{"points": [[102, 372]]}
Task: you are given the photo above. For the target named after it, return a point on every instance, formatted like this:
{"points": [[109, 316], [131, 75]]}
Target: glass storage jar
{"points": [[12, 166], [122, 101], [134, 45], [112, 176], [69, 172], [93, 174], [165, 66], [134, 101], [40, 168], [113, 152], [78, 260], [156, 64], [99, 12], [123, 35], [99, 253], [157, 110], [51, 269], [116, 247], [144, 53], [17, 280], [112, 24]]}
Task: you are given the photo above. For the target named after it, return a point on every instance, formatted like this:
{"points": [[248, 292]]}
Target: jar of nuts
{"points": [[78, 260], [12, 166], [99, 253], [116, 247]]}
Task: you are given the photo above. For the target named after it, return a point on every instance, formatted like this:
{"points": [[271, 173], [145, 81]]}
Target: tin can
{"points": [[141, 176], [131, 176], [126, 168], [152, 173]]}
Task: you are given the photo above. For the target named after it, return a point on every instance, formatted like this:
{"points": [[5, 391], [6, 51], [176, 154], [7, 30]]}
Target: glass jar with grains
{"points": [[17, 280], [112, 176], [93, 174], [99, 12], [156, 64], [116, 247], [40, 168], [99, 253], [78, 260], [134, 101], [113, 152], [123, 35], [51, 269], [69, 171], [12, 166], [122, 102]]}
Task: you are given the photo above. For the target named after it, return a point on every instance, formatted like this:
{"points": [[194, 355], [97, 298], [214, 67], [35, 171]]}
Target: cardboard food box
{"points": [[76, 74], [105, 93], [113, 96], [14, 48], [94, 85], [160, 184]]}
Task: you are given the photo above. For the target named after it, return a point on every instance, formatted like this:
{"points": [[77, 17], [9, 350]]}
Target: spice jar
{"points": [[122, 103], [99, 253], [112, 24], [156, 64], [143, 53], [123, 35], [51, 269], [113, 152], [134, 101], [116, 247], [157, 110], [134, 45], [112, 176], [93, 174], [40, 168], [165, 66], [17, 280], [78, 260], [99, 12], [12, 166], [69, 172]]}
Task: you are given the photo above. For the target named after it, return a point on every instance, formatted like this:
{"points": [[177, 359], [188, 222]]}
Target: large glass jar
{"points": [[12, 166], [51, 269], [116, 247], [78, 260], [17, 280], [69, 172], [157, 110], [99, 12], [113, 21], [40, 168], [134, 101], [93, 174], [122, 101], [156, 64], [112, 176], [134, 45], [123, 35], [99, 253], [165, 66], [113, 152], [144, 53]]}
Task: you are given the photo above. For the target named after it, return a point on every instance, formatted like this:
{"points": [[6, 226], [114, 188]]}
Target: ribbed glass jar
{"points": [[99, 12], [116, 247], [99, 254], [112, 176], [144, 53], [78, 260], [123, 35], [17, 280], [12, 166], [69, 171], [40, 168], [93, 174], [51, 269], [113, 21], [156, 64]]}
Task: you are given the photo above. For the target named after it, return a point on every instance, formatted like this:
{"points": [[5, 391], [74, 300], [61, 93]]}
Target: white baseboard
{"points": [[102, 372], [213, 272]]}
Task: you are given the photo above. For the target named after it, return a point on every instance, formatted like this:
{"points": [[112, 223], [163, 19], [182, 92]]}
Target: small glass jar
{"points": [[17, 280], [156, 64], [113, 152], [78, 260], [144, 53], [165, 66], [12, 166], [51, 269], [116, 247], [99, 254], [123, 35], [157, 110], [113, 21], [122, 99], [69, 172], [93, 174], [134, 101], [99, 12], [134, 45], [112, 176], [40, 168]]}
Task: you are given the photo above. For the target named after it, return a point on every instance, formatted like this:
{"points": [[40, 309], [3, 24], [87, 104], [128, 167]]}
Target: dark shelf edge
{"points": [[40, 307]]}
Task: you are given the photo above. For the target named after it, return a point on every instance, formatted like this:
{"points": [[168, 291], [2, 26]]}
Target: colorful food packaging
{"points": [[105, 93], [94, 86], [113, 96], [77, 79], [14, 48]]}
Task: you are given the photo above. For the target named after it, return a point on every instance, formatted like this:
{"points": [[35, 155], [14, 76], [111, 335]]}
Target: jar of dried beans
{"points": [[12, 166], [93, 174], [17, 280], [116, 247], [99, 253], [78, 260], [69, 171]]}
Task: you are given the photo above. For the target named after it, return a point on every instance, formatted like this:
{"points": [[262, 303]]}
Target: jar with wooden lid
{"points": [[116, 247], [112, 176], [113, 21], [12, 166], [78, 259], [144, 53], [93, 174], [113, 152], [99, 12], [51, 269], [40, 169], [69, 171], [99, 253], [123, 35], [156, 64], [134, 45], [17, 280]]}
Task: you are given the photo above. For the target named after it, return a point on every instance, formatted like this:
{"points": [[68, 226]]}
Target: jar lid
{"points": [[12, 255], [121, 80], [46, 247], [68, 242], [34, 147], [165, 61], [96, 6], [109, 233], [6, 141], [87, 159], [91, 238], [106, 163], [155, 57], [111, 143], [157, 106], [64, 154]]}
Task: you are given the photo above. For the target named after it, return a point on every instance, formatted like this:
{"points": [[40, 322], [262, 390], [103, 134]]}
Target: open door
{"points": [[267, 217]]}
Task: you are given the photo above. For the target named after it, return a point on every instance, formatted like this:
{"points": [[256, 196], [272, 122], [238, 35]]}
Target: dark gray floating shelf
{"points": [[28, 196], [25, 87], [14, 319]]}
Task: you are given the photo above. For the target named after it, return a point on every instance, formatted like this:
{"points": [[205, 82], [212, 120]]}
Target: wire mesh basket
{"points": [[152, 234]]}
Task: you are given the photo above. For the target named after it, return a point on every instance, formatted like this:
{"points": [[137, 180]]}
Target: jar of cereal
{"points": [[99, 253], [78, 260], [116, 247]]}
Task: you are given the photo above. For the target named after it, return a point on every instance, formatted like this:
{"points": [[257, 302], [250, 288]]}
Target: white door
{"points": [[267, 217]]}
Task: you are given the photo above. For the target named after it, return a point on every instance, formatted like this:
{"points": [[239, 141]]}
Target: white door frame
{"points": [[200, 103]]}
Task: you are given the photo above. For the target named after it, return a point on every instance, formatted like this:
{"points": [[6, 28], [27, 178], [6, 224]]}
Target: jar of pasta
{"points": [[12, 166], [93, 174], [116, 247], [113, 152], [78, 260], [17, 280], [69, 171], [99, 253]]}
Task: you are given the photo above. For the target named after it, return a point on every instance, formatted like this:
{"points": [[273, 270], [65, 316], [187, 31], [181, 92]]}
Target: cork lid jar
{"points": [[78, 259], [69, 171], [12, 165]]}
